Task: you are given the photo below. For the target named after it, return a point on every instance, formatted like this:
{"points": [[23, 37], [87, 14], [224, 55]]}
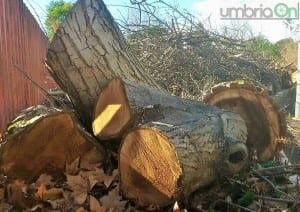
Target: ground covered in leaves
{"points": [[265, 186]]}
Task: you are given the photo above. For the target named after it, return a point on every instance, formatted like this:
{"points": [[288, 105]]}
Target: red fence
{"points": [[22, 44]]}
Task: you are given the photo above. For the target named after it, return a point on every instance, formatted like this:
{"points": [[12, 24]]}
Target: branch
{"points": [[277, 199], [25, 73], [237, 206], [271, 184]]}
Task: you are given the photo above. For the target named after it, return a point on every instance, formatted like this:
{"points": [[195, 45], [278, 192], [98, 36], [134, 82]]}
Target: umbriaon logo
{"points": [[279, 11]]}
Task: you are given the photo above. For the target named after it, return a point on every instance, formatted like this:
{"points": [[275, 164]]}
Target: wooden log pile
{"points": [[167, 147]]}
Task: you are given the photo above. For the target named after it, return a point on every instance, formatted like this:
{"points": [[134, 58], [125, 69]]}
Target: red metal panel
{"points": [[22, 43]]}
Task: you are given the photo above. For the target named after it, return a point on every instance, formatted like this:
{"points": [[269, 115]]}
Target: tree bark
{"points": [[44, 140], [87, 51], [123, 104], [265, 122], [176, 156], [186, 146]]}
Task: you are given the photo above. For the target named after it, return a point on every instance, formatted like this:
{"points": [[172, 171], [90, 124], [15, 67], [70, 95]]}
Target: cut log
{"points": [[264, 120], [184, 146], [87, 50], [170, 160], [43, 140], [123, 103]]}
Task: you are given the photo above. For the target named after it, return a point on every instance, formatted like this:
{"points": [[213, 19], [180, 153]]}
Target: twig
{"points": [[271, 184], [35, 83], [276, 199], [37, 16], [278, 167], [237, 206]]}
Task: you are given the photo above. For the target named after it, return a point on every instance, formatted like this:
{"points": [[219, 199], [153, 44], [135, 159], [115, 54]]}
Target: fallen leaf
{"points": [[73, 168], [57, 204], [261, 187], [79, 186], [97, 176], [113, 200], [109, 179], [49, 194], [15, 194], [93, 177], [38, 207], [44, 179], [86, 165], [81, 209], [95, 205], [40, 192], [53, 194]]}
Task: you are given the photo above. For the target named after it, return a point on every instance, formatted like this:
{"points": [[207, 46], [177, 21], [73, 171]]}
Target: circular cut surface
{"points": [[264, 121], [150, 171]]}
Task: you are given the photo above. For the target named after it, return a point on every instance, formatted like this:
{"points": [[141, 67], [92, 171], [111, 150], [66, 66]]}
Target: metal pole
{"points": [[297, 105]]}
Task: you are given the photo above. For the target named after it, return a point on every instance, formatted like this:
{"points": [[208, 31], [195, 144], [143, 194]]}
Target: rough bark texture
{"points": [[127, 103], [87, 50], [43, 140], [265, 123], [206, 140]]}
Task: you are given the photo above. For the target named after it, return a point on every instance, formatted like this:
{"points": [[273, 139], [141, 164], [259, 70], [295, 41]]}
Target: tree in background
{"points": [[57, 10]]}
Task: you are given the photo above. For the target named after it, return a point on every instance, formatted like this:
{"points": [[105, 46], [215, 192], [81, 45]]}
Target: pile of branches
{"points": [[187, 59]]}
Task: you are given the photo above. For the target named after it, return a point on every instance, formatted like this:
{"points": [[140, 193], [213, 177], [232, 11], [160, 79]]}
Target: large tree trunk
{"points": [[170, 160], [266, 124], [186, 147], [122, 104], [87, 50], [44, 140]]}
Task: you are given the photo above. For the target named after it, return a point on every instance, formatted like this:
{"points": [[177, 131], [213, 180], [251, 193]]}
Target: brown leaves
{"points": [[80, 188], [113, 200], [73, 168], [45, 180], [86, 187], [15, 193], [95, 205], [48, 194]]}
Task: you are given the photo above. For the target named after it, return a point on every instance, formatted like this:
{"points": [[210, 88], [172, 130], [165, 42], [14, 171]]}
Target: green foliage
{"points": [[266, 48], [269, 163], [246, 199], [57, 10]]}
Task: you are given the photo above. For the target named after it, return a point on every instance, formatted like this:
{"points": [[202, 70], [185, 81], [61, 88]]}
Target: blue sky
{"points": [[207, 10]]}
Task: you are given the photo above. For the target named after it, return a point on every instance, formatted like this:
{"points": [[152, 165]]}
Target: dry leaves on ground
{"points": [[85, 184]]}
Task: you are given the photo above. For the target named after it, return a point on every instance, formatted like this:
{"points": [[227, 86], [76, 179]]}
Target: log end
{"points": [[46, 146], [112, 113], [150, 168], [265, 123]]}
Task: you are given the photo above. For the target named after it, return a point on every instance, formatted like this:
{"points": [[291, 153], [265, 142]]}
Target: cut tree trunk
{"points": [[264, 120], [184, 146], [171, 158], [123, 104], [87, 51], [44, 140]]}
